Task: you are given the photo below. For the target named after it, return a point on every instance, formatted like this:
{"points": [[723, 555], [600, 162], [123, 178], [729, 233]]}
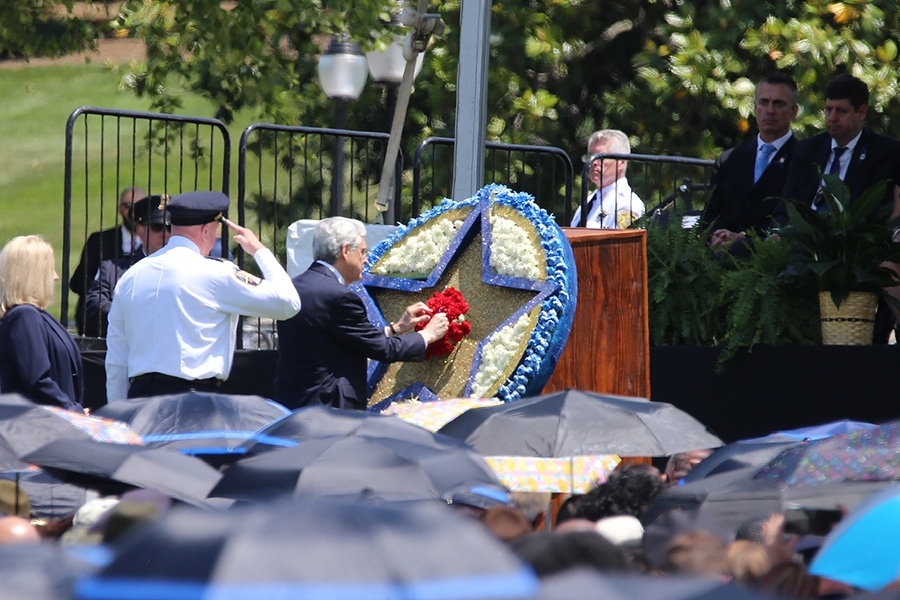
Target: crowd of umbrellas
{"points": [[326, 503]]}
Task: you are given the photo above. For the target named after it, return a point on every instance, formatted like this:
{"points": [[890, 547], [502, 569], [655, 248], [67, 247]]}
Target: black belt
{"points": [[149, 377]]}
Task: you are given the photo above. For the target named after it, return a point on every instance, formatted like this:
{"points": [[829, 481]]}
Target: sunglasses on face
{"points": [[159, 227]]}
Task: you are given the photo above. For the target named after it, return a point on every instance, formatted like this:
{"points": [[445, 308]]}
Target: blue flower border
{"points": [[557, 294]]}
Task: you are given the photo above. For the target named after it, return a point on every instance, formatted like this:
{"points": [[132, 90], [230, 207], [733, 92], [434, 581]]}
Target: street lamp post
{"points": [[387, 67], [342, 73]]}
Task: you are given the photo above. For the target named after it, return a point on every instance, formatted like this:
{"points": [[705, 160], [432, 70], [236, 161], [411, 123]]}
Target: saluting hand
{"points": [[244, 237]]}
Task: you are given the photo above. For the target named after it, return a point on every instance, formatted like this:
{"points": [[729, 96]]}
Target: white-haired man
{"points": [[613, 205], [323, 351]]}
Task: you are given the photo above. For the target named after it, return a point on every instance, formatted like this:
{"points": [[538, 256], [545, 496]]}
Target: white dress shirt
{"points": [[617, 208], [175, 312]]}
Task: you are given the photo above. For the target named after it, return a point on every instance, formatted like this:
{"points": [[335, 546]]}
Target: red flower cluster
{"points": [[451, 303]]}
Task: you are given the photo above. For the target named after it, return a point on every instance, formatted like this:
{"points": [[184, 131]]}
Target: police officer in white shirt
{"points": [[173, 321], [613, 205]]}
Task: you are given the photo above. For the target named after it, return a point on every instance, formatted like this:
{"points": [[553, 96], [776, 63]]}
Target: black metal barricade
{"points": [[109, 150], [545, 172]]}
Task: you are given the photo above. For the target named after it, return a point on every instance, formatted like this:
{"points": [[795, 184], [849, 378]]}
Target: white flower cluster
{"points": [[420, 251], [497, 354], [509, 255]]}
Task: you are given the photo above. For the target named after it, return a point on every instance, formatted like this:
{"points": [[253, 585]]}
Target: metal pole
{"points": [[337, 170], [471, 98]]}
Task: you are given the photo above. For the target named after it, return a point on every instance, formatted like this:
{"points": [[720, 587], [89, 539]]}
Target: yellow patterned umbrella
{"points": [[434, 415], [572, 474]]}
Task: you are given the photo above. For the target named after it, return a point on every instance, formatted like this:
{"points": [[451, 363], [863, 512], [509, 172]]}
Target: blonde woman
{"points": [[38, 357]]}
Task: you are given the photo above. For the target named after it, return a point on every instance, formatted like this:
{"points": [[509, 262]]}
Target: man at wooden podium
{"points": [[613, 205]]}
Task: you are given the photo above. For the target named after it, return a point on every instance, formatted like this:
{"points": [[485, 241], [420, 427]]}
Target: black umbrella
{"points": [[107, 466], [735, 497], [758, 451], [323, 421], [199, 423], [25, 427], [575, 423], [39, 571], [589, 584], [50, 497], [737, 456], [313, 549], [361, 466]]}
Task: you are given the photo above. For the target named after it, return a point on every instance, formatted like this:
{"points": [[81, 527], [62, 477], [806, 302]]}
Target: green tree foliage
{"points": [[31, 28], [550, 61], [676, 75], [693, 93]]}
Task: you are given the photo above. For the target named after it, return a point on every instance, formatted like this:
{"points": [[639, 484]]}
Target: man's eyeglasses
{"points": [[159, 227]]}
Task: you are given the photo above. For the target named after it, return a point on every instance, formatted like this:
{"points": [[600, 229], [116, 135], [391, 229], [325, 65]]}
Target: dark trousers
{"points": [[157, 384]]}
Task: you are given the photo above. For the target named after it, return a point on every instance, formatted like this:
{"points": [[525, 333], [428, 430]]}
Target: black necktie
{"points": [[587, 210], [835, 169]]}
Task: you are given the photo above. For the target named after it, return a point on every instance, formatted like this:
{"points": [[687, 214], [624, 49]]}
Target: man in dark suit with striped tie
{"points": [[747, 179], [853, 152], [858, 155]]}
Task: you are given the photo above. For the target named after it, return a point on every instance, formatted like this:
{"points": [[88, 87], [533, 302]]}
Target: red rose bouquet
{"points": [[451, 303]]}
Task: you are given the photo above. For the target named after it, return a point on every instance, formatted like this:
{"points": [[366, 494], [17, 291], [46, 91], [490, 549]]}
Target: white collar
{"points": [[777, 143], [334, 271], [850, 145]]}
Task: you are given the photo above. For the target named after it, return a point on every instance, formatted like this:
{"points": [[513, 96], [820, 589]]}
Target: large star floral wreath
{"points": [[510, 262]]}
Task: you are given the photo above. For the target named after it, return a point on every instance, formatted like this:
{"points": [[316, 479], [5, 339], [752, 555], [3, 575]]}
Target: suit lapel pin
{"points": [[862, 154]]}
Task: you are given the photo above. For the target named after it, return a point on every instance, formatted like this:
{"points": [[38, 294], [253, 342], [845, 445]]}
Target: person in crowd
{"points": [[38, 357], [198, 299], [679, 465], [624, 531], [116, 242], [323, 351], [535, 506], [697, 553], [152, 226], [568, 510], [613, 205], [747, 562], [549, 553], [17, 530], [747, 179], [507, 523], [627, 491]]}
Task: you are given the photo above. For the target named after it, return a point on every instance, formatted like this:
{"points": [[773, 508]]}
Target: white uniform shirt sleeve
{"points": [[274, 296], [116, 356]]}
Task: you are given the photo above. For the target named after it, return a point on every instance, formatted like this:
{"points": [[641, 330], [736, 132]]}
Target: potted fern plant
{"points": [[843, 250]]}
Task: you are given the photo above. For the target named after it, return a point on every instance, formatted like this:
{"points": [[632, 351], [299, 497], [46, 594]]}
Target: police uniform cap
{"points": [[148, 211], [197, 208]]}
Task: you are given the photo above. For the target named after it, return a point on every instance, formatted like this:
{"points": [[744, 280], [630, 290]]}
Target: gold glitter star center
{"points": [[489, 307]]}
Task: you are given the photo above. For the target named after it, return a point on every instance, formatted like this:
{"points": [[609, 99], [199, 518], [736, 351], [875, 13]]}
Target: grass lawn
{"points": [[34, 108]]}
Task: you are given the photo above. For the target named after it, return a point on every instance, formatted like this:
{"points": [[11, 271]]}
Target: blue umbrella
{"points": [[862, 550], [813, 432], [756, 452]]}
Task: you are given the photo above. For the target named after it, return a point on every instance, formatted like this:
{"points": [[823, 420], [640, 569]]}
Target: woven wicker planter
{"points": [[850, 325]]}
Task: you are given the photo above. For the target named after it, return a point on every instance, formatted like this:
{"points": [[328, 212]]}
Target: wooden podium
{"points": [[608, 349]]}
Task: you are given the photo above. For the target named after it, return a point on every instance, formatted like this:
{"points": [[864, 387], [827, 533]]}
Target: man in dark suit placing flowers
{"points": [[323, 351]]}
